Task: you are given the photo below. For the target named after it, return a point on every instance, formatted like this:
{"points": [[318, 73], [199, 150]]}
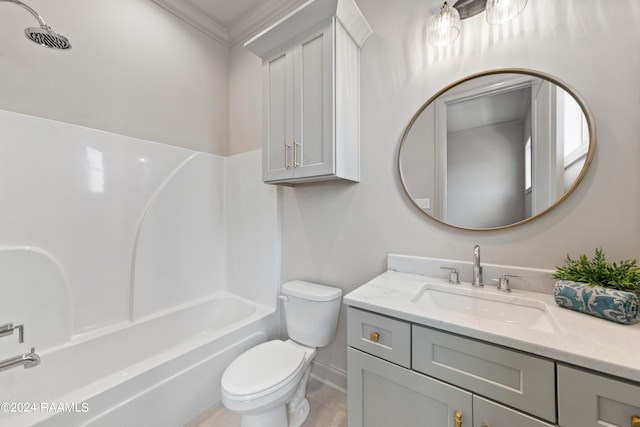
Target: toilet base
{"points": [[300, 415], [277, 417]]}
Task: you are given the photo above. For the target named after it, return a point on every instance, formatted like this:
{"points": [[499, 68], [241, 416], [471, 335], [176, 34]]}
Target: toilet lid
{"points": [[263, 368]]}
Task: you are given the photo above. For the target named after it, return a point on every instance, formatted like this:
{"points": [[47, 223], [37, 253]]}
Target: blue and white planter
{"points": [[610, 304]]}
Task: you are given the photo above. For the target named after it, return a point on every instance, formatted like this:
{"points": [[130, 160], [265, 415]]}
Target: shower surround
{"points": [[106, 241]]}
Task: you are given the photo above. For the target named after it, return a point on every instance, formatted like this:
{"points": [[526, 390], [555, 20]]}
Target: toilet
{"points": [[267, 384]]}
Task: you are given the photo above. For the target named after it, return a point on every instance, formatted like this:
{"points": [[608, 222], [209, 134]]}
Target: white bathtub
{"points": [[160, 371]]}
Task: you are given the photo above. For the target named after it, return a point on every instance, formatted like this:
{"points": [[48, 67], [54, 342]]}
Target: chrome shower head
{"points": [[47, 38], [43, 34]]}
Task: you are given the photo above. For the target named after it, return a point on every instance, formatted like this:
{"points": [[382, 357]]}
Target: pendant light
{"points": [[501, 11], [445, 26]]}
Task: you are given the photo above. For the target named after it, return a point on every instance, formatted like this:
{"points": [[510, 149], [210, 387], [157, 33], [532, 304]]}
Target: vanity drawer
{"points": [[586, 399], [517, 379], [380, 336], [491, 414]]}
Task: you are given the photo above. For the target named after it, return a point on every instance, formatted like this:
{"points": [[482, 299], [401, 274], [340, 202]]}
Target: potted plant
{"points": [[597, 287]]}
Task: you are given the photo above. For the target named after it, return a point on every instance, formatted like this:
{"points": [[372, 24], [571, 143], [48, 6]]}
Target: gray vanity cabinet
{"points": [[491, 414], [401, 374], [511, 377], [382, 394], [588, 399]]}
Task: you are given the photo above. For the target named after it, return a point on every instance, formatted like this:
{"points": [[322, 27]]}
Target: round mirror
{"points": [[496, 149]]}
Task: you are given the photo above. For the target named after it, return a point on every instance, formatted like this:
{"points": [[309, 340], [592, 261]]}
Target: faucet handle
{"points": [[503, 282], [453, 275], [9, 328]]}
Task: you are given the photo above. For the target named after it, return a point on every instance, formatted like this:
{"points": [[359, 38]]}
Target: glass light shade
{"points": [[501, 11], [445, 26]]}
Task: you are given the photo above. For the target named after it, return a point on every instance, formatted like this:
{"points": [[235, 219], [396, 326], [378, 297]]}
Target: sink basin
{"points": [[487, 307]]}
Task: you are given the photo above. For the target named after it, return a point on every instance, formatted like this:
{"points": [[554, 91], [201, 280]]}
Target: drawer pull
{"points": [[458, 419], [375, 337], [635, 421]]}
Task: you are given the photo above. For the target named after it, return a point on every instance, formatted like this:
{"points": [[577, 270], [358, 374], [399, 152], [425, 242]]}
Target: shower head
{"points": [[47, 38], [43, 34]]}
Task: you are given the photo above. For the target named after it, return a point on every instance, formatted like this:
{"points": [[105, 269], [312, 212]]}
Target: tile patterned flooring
{"points": [[328, 409]]}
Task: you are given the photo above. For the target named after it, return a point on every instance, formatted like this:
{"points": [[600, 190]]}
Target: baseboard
{"points": [[331, 376]]}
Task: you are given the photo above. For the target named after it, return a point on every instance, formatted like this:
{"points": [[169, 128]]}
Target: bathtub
{"points": [[163, 370]]}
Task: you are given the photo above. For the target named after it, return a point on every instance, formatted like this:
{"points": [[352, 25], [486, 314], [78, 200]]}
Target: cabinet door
{"points": [[277, 83], [517, 379], [382, 394], [313, 94], [586, 399], [491, 414]]}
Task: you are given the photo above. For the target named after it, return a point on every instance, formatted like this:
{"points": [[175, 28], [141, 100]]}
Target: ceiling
{"points": [[229, 21], [489, 109]]}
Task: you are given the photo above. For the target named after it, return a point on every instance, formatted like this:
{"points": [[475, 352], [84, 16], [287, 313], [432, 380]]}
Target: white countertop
{"points": [[574, 338]]}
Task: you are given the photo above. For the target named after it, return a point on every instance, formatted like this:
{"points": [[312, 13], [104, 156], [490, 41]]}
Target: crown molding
{"points": [[248, 24], [196, 18], [258, 18]]}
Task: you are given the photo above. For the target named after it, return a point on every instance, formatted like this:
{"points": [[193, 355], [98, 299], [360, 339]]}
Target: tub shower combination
{"points": [[160, 371], [136, 286]]}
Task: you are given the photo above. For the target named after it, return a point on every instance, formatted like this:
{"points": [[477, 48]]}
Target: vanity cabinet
{"points": [[517, 379], [589, 399], [447, 381], [382, 394], [311, 95]]}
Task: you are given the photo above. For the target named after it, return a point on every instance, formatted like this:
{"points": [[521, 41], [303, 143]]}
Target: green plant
{"points": [[624, 276]]}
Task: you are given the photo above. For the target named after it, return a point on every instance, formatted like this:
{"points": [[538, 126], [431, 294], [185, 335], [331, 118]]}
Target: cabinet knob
{"points": [[458, 419], [635, 421], [375, 337]]}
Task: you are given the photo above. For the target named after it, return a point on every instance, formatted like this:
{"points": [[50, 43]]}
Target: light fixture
{"points": [[501, 11], [445, 26]]}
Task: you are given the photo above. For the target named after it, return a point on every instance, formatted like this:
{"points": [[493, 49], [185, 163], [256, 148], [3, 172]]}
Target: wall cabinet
{"points": [[401, 373], [311, 95]]}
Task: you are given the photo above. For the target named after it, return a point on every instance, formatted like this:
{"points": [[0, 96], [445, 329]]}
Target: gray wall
{"points": [[139, 71], [134, 69], [340, 233], [485, 176]]}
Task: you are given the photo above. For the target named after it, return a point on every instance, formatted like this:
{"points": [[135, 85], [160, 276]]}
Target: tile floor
{"points": [[328, 409]]}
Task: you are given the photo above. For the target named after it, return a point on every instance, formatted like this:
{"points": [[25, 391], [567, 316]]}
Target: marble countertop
{"points": [[566, 336]]}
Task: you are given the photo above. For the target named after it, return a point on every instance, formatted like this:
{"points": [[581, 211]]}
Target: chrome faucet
{"points": [[28, 360], [476, 279]]}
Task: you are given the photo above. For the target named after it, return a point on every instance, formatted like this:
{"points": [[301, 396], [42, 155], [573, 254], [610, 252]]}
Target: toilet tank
{"points": [[311, 312]]}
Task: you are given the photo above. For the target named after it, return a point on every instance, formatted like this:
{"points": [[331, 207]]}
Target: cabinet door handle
{"points": [[635, 421], [458, 419], [286, 155], [296, 144], [374, 337]]}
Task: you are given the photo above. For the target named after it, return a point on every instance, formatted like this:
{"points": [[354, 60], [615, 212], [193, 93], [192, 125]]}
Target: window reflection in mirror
{"points": [[496, 149]]}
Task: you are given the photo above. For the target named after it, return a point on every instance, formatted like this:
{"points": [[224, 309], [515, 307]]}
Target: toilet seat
{"points": [[262, 370]]}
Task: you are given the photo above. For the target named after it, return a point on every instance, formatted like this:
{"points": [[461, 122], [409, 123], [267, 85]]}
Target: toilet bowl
{"points": [[266, 385]]}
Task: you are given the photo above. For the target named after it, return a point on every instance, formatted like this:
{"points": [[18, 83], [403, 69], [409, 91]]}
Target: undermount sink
{"points": [[486, 306]]}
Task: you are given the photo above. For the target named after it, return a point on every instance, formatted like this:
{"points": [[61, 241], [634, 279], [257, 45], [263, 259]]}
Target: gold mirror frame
{"points": [[527, 72]]}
